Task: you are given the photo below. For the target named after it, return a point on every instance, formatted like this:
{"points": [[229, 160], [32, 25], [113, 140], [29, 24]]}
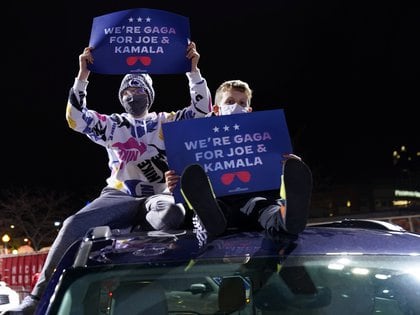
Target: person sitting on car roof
{"points": [[136, 188], [284, 210]]}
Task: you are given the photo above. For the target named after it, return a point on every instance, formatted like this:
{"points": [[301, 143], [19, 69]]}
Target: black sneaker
{"points": [[298, 187], [199, 196]]}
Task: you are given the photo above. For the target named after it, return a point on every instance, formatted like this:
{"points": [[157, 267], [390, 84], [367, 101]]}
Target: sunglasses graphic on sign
{"points": [[144, 60], [243, 176]]}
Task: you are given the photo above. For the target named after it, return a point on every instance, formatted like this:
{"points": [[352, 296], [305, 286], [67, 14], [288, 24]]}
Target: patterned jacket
{"points": [[135, 146]]}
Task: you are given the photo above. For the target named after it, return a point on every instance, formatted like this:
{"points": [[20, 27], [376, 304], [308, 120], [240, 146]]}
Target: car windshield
{"points": [[341, 283]]}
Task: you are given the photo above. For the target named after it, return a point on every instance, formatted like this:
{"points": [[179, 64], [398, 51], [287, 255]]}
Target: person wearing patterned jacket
{"points": [[136, 192]]}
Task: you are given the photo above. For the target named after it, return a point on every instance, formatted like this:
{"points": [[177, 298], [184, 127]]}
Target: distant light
{"points": [[5, 238], [407, 193], [360, 271], [343, 254], [12, 226], [415, 272], [57, 223], [382, 276], [344, 261], [401, 202], [335, 266], [348, 203]]}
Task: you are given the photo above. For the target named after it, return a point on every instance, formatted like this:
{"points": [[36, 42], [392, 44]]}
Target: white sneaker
{"points": [[26, 307]]}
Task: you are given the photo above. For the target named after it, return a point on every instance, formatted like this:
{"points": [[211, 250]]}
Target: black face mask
{"points": [[135, 104]]}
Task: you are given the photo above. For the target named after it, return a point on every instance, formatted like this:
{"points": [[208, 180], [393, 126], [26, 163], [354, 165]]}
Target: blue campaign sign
{"points": [[140, 40], [240, 153]]}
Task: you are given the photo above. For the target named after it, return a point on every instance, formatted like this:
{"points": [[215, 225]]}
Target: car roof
{"points": [[314, 240]]}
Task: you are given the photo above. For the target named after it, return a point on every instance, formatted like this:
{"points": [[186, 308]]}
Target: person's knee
{"points": [[168, 218]]}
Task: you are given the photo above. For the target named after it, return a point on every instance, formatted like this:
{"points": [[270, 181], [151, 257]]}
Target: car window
{"points": [[329, 284]]}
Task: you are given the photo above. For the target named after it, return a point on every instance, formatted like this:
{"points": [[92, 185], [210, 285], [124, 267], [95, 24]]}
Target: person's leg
{"points": [[262, 210], [297, 184], [199, 196], [290, 212], [112, 208], [163, 213]]}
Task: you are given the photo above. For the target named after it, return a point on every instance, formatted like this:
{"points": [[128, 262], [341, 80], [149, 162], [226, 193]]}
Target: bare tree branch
{"points": [[33, 211]]}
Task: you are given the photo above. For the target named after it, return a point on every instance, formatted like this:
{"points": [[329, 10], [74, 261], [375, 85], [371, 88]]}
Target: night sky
{"points": [[345, 72]]}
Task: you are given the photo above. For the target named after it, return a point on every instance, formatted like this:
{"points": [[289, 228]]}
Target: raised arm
{"points": [[84, 59], [194, 56]]}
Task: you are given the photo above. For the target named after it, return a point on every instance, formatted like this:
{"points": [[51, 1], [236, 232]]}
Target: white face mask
{"points": [[232, 109]]}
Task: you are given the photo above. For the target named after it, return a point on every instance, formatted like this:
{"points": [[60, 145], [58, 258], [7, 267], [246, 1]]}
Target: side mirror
{"points": [[197, 288]]}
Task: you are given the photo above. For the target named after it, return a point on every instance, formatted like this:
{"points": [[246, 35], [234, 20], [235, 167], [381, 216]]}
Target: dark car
{"points": [[347, 267]]}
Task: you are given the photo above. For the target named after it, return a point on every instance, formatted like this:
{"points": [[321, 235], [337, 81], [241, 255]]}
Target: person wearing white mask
{"points": [[232, 97], [283, 210]]}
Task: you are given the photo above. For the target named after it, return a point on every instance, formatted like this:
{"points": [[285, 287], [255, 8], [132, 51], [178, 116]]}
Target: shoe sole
{"points": [[199, 196], [298, 186]]}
